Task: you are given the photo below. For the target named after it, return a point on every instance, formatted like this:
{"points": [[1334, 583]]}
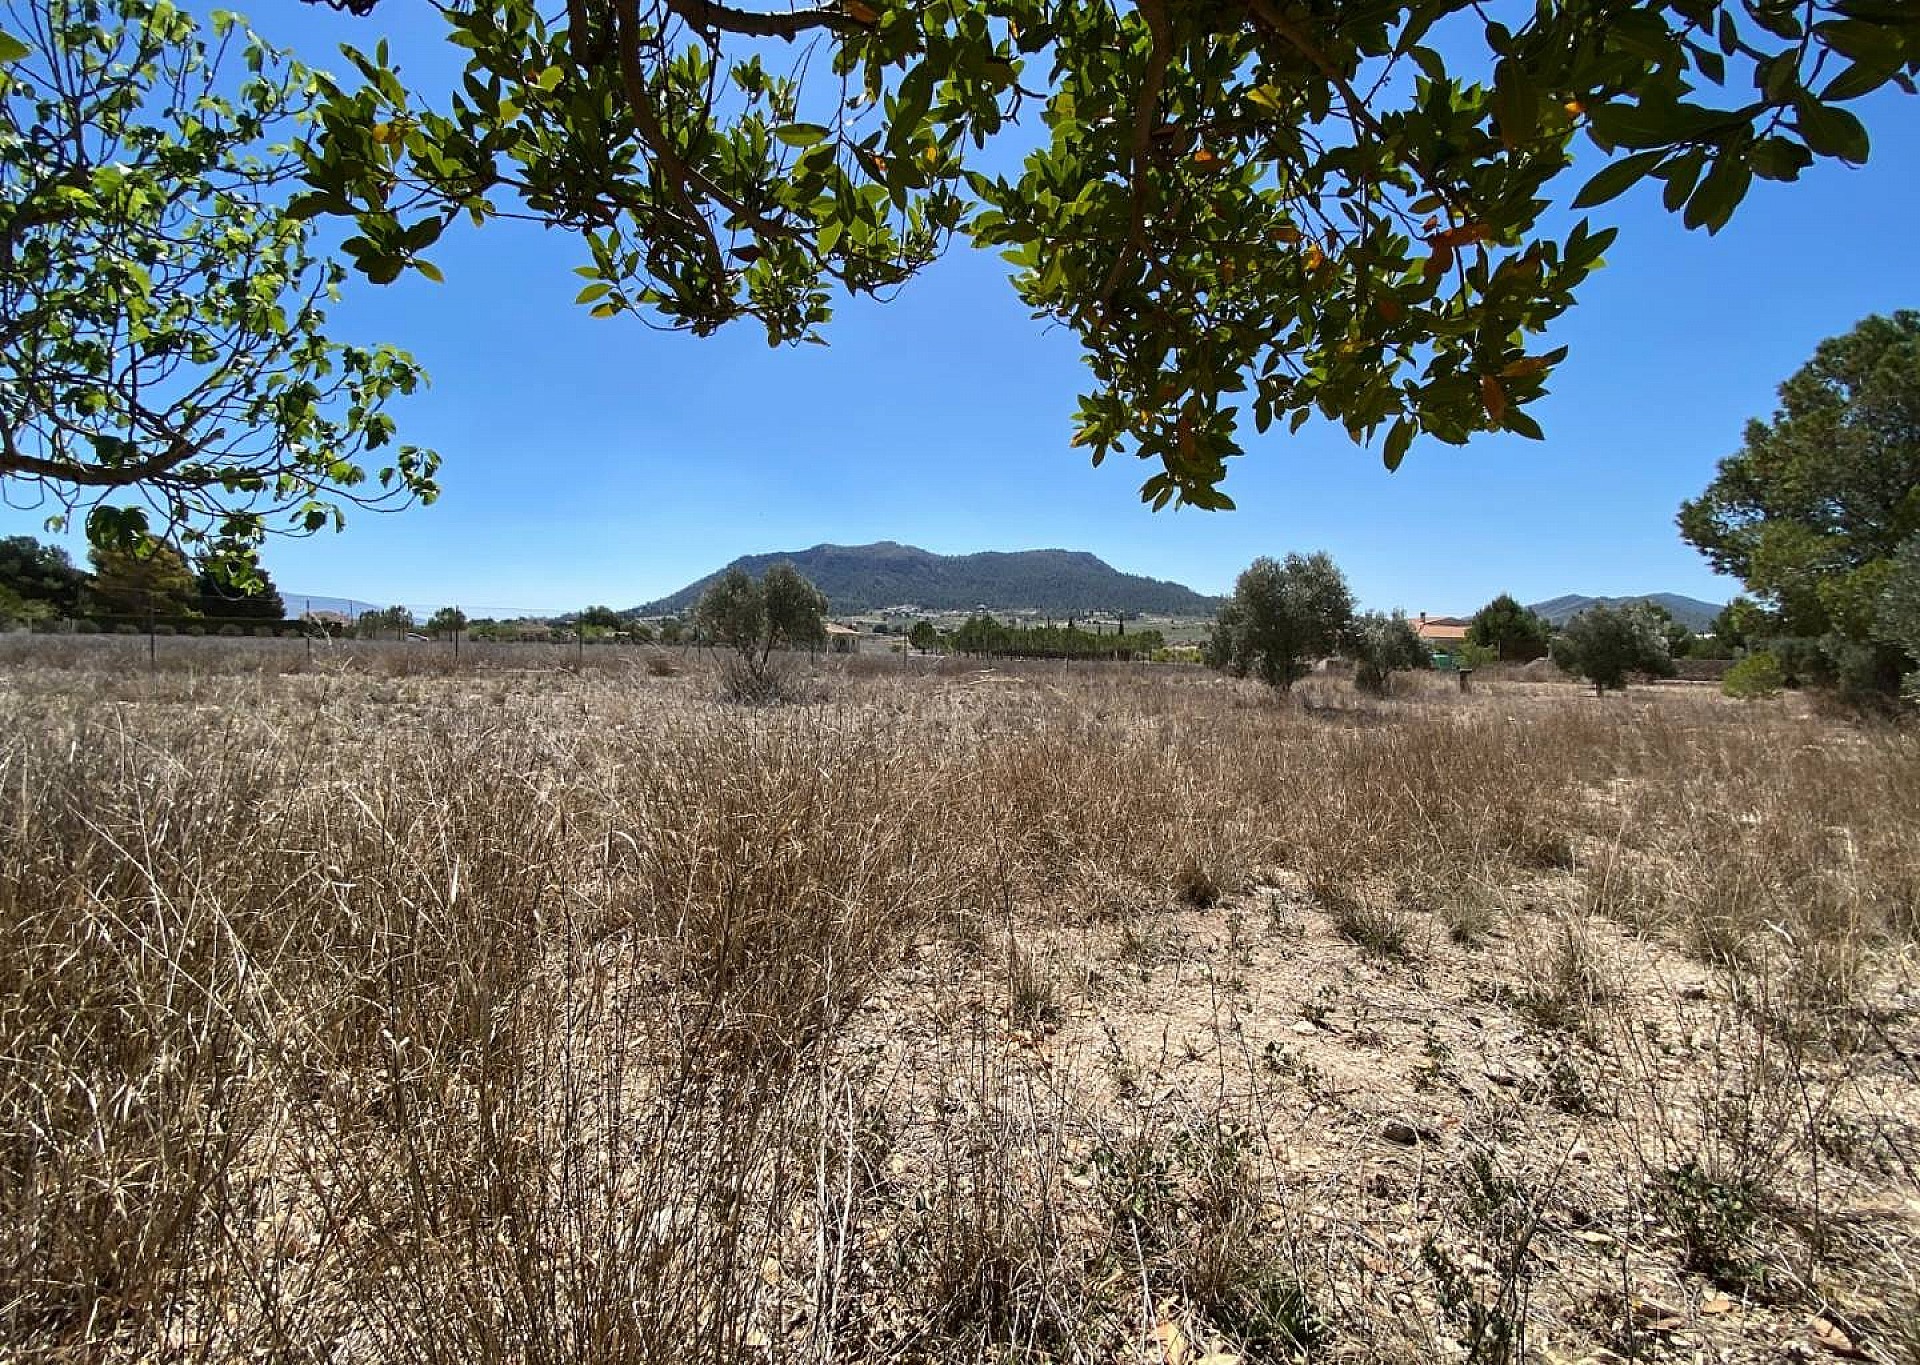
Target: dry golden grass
{"points": [[370, 1014]]}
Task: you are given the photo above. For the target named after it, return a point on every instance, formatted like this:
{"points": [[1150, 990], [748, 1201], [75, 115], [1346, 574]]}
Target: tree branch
{"points": [[706, 14], [673, 170], [1146, 113]]}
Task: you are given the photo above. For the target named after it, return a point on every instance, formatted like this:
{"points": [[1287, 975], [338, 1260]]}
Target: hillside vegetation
{"points": [[859, 578], [1117, 1013]]}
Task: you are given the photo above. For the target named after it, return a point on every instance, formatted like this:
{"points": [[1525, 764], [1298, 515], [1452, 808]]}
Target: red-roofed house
{"points": [[1442, 632]]}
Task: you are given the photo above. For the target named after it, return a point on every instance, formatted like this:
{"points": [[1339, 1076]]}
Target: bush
{"points": [[1803, 663], [85, 628], [196, 630], [164, 629], [751, 684], [1381, 646], [1756, 676], [1604, 644], [231, 631]]}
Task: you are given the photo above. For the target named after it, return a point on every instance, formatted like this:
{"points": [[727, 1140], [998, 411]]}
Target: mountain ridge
{"points": [[1690, 612], [862, 578]]}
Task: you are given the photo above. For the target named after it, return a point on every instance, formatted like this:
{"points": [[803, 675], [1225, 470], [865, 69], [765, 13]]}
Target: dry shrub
{"points": [[1564, 976]]}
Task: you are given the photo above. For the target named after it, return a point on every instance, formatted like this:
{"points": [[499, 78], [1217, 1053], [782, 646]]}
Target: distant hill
{"points": [[1690, 612], [860, 578]]}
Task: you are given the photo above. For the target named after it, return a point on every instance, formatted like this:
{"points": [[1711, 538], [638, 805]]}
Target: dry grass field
{"points": [[366, 1011]]}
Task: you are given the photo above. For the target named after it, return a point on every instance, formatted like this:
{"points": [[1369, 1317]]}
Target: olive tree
{"points": [[780, 610], [1382, 645], [1604, 644], [164, 359], [1281, 618]]}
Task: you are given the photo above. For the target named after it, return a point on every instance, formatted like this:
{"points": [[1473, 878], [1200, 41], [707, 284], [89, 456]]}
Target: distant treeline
{"points": [[985, 635]]}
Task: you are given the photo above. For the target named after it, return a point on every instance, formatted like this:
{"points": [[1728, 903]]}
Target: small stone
{"points": [[1404, 1134], [1303, 1027]]}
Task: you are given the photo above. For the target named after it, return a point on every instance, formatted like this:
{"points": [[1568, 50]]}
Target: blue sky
{"points": [[599, 461]]}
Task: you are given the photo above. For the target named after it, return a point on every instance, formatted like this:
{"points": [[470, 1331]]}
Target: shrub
{"points": [[164, 629], [1756, 676], [232, 631], [1803, 663], [1604, 644], [1381, 646]]}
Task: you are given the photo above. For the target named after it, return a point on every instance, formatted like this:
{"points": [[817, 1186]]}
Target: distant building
{"points": [[1442, 632], [842, 639]]}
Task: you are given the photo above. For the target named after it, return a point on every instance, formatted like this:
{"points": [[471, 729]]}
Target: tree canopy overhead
{"points": [[164, 363], [1244, 209]]}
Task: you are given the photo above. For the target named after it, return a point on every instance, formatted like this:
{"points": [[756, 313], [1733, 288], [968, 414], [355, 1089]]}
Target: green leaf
{"points": [[800, 134], [1830, 131], [1516, 103], [430, 270], [11, 48], [1398, 439], [1719, 195], [1861, 78], [1617, 178]]}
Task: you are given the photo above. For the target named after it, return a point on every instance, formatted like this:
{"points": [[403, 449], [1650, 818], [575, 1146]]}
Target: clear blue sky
{"points": [[599, 461]]}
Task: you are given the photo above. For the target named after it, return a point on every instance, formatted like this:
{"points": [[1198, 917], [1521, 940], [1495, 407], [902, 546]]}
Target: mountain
{"points": [[859, 578], [1690, 612]]}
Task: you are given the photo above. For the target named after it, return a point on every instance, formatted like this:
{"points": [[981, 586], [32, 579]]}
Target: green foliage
{"points": [[1679, 639], [36, 573], [1604, 644], [257, 599], [163, 318], [754, 617], [1812, 510], [1257, 210], [446, 622], [1515, 634], [1897, 616], [1803, 662], [1381, 646], [796, 610], [140, 582], [394, 621], [1281, 618], [1744, 619], [923, 636], [600, 618], [982, 634], [1715, 1217], [17, 611], [1468, 655], [1757, 676]]}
